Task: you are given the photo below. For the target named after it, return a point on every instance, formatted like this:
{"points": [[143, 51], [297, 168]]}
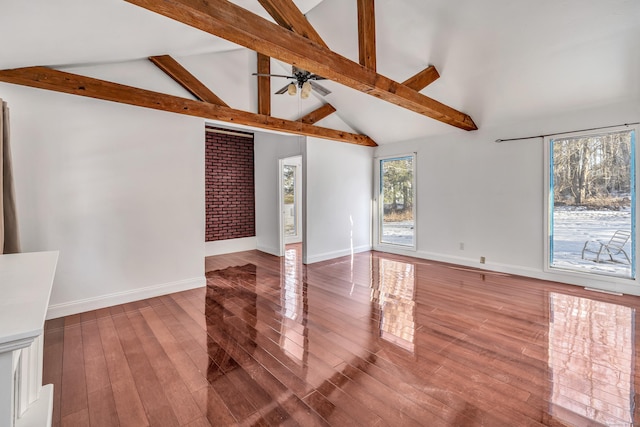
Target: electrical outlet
{"points": [[482, 259]]}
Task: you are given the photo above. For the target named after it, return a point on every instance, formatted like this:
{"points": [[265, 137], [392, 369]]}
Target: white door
{"points": [[291, 199]]}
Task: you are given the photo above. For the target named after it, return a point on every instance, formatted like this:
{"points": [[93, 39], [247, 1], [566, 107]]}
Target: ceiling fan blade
{"points": [[272, 75], [283, 90], [316, 77], [319, 88]]}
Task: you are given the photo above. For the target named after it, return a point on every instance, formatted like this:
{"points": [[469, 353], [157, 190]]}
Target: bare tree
{"points": [[595, 167]]}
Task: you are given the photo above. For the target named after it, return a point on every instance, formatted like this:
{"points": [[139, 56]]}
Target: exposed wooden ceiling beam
{"points": [[287, 15], [318, 114], [224, 19], [264, 85], [185, 79], [423, 79], [60, 81], [367, 33]]}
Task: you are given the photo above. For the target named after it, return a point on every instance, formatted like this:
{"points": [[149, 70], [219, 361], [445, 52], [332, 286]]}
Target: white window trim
{"points": [[389, 247], [295, 161], [583, 277]]}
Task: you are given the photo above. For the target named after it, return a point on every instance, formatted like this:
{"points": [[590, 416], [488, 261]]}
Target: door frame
{"points": [[379, 205], [297, 161]]}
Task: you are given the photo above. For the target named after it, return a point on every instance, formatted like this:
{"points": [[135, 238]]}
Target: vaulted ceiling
{"points": [[499, 61]]}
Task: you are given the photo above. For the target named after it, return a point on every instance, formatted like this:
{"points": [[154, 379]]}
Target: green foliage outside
{"points": [[289, 182], [397, 189]]}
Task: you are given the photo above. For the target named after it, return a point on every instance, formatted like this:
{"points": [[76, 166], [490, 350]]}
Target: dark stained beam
{"points": [[224, 19], [423, 79], [185, 79], [60, 81], [367, 33], [287, 15], [264, 85], [318, 114]]}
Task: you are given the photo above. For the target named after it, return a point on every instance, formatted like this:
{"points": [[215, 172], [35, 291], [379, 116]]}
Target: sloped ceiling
{"points": [[500, 61]]}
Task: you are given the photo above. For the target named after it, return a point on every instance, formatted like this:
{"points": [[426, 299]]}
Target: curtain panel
{"points": [[9, 242]]}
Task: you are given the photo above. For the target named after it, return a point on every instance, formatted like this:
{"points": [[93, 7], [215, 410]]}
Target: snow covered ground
{"points": [[572, 228], [398, 233]]}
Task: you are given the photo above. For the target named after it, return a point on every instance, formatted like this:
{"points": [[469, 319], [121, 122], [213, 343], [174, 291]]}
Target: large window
{"points": [[591, 202], [396, 201]]}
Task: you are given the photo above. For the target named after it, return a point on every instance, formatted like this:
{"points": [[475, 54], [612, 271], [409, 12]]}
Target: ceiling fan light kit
{"points": [[305, 90], [302, 79]]}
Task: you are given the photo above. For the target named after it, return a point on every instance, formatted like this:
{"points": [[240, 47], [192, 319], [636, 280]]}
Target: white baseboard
{"points": [[591, 281], [336, 254], [475, 263], [220, 247], [88, 304], [466, 262]]}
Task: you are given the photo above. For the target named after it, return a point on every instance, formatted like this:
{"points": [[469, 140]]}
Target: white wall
{"points": [[338, 179], [489, 196], [118, 190], [269, 148]]}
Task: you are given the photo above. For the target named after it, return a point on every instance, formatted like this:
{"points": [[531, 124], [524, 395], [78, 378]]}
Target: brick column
{"points": [[230, 191]]}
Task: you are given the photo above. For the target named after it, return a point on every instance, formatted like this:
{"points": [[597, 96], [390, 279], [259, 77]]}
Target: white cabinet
{"points": [[25, 287]]}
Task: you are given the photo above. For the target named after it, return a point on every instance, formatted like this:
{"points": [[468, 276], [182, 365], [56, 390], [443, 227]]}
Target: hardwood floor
{"points": [[374, 340]]}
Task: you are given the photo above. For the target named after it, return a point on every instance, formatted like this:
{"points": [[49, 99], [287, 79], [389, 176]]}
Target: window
{"points": [[290, 205], [396, 201], [591, 202], [291, 200]]}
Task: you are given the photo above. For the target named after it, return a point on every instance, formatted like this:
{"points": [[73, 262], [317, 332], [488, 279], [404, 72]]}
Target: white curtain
{"points": [[9, 242]]}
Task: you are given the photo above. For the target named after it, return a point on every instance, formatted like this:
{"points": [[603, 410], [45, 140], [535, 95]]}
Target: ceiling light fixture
{"points": [[303, 82], [305, 90]]}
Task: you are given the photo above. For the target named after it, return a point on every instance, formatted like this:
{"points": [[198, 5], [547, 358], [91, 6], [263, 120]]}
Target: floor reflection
{"points": [[591, 357], [374, 339], [292, 338], [230, 309], [264, 312], [394, 292]]}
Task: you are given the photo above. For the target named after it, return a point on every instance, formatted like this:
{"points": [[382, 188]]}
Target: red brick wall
{"points": [[230, 192]]}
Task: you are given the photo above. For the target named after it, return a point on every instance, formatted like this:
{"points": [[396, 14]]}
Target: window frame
{"points": [[297, 202], [588, 276], [378, 205]]}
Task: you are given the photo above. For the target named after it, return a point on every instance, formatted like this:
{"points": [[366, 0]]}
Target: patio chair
{"points": [[615, 246]]}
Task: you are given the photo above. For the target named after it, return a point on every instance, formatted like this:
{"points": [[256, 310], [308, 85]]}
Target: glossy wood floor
{"points": [[374, 340]]}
